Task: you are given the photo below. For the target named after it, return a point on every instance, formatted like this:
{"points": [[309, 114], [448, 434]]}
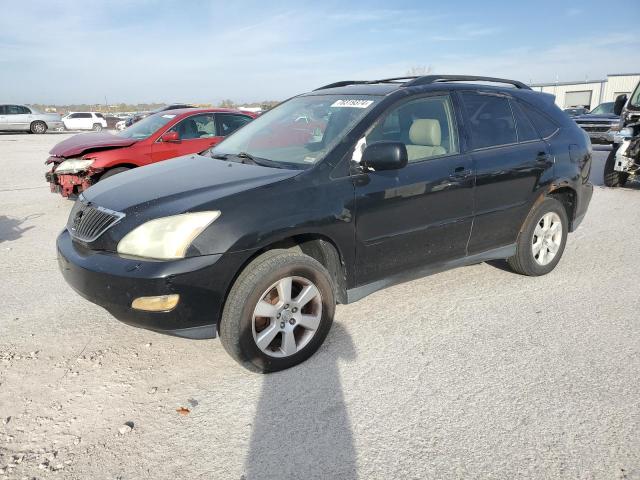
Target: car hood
{"points": [[594, 118], [89, 142], [180, 184]]}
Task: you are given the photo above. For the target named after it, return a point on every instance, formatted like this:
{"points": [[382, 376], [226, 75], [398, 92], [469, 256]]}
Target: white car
{"points": [[121, 125], [84, 121]]}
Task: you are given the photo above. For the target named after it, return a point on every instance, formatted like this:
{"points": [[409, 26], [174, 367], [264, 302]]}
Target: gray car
{"points": [[27, 119]]}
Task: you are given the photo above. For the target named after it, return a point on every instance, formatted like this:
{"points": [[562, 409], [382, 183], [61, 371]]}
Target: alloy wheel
{"points": [[547, 238], [287, 316]]}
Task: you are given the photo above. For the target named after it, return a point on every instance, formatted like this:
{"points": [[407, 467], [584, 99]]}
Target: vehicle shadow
{"points": [[10, 228], [301, 428]]}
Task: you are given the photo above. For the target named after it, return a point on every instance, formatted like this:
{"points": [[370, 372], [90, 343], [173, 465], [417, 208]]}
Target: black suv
{"points": [[380, 182]]}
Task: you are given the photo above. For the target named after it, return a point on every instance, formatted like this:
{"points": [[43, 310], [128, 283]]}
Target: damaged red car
{"points": [[84, 159]]}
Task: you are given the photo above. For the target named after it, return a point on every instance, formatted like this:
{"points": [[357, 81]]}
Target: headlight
{"points": [[74, 166], [166, 238]]}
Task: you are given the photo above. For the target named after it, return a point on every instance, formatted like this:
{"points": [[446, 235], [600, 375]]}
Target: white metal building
{"points": [[590, 93]]}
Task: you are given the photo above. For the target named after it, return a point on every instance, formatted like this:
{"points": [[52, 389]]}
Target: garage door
{"points": [[578, 99]]}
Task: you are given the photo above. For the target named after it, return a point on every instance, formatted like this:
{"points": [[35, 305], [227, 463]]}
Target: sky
{"points": [[205, 51]]}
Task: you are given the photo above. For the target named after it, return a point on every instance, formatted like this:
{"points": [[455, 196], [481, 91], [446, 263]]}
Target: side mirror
{"points": [[385, 156], [170, 137], [621, 100]]}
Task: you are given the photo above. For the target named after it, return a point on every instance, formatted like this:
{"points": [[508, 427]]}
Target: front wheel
{"points": [[613, 178], [542, 240], [278, 312]]}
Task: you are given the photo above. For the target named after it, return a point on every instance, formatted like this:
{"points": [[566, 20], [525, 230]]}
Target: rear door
{"points": [[510, 159], [17, 117], [227, 123], [197, 133]]}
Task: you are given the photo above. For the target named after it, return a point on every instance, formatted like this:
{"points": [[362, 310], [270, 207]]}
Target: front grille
{"points": [[596, 126], [87, 221]]}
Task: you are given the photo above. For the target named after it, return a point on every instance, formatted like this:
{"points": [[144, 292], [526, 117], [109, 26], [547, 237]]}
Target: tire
{"points": [[38, 127], [526, 261], [240, 328], [112, 172], [613, 178], [97, 127]]}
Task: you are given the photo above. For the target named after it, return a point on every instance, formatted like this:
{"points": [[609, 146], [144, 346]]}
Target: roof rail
{"points": [[412, 81], [425, 80], [343, 83]]}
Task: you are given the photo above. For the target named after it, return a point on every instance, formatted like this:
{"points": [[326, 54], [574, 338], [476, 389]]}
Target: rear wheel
{"points": [[613, 178], [112, 172], [278, 311], [38, 127], [97, 127], [542, 240]]}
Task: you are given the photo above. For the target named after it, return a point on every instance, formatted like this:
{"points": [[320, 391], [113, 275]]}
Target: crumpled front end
{"points": [[69, 182]]}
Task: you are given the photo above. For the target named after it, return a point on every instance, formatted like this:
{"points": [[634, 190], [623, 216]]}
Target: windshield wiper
{"points": [[247, 158]]}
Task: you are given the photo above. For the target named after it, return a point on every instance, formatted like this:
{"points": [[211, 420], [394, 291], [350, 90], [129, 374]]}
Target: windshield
{"points": [[635, 97], [147, 126], [299, 132], [603, 109]]}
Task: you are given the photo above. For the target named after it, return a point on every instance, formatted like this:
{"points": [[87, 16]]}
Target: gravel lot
{"points": [[471, 373]]}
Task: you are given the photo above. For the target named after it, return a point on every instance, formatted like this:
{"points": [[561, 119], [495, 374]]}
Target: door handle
{"points": [[460, 173]]}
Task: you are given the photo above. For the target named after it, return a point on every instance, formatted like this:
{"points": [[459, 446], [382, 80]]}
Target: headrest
{"points": [[425, 131]]}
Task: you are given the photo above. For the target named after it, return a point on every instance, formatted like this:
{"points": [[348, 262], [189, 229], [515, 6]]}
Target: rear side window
{"points": [[526, 131], [545, 126], [490, 119], [99, 115], [229, 123], [3, 110]]}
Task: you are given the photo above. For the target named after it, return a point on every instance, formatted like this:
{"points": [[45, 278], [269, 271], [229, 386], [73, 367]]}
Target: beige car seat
{"points": [[426, 137]]}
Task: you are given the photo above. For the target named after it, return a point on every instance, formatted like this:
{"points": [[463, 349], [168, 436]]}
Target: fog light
{"points": [[161, 303]]}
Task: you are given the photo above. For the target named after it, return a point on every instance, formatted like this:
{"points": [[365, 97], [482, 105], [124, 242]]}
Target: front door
{"points": [[197, 133], [420, 214]]}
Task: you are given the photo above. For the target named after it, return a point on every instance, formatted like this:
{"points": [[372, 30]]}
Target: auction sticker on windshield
{"points": [[352, 103]]}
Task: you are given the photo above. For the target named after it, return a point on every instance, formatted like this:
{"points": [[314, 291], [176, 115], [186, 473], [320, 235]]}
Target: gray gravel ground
{"points": [[471, 373]]}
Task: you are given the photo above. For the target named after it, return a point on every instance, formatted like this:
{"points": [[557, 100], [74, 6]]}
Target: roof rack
{"points": [[463, 78], [412, 81]]}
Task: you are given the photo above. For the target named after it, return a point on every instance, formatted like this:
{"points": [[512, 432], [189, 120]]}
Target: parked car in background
{"points": [[84, 121], [623, 162], [84, 159], [121, 125], [576, 111], [112, 120], [257, 241], [139, 116], [21, 118], [598, 122]]}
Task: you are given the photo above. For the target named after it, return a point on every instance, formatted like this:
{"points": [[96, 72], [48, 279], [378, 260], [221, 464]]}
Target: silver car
{"points": [[28, 119]]}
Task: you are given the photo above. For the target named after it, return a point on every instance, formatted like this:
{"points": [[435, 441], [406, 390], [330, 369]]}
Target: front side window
{"points": [[196, 126], [490, 120], [147, 126], [426, 126], [300, 132]]}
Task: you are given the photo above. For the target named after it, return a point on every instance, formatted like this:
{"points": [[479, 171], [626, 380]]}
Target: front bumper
{"points": [[67, 184], [113, 282], [600, 137]]}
